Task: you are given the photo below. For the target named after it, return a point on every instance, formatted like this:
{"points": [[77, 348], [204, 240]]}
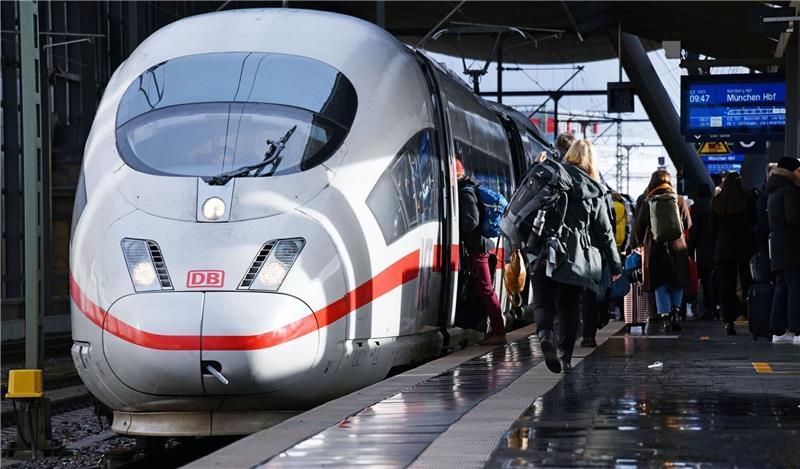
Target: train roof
{"points": [[329, 37]]}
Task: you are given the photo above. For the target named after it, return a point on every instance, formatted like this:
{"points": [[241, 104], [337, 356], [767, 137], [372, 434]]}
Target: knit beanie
{"points": [[789, 163]]}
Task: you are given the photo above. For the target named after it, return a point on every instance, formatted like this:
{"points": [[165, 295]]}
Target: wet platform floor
{"points": [[707, 406], [393, 432], [717, 401]]}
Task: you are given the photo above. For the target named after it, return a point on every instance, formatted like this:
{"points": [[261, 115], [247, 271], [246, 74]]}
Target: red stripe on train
{"points": [[395, 275]]}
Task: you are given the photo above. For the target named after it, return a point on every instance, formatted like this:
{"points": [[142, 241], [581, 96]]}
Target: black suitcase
{"points": [[759, 308]]}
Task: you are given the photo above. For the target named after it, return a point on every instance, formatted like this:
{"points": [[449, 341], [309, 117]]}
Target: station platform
{"points": [[716, 401]]}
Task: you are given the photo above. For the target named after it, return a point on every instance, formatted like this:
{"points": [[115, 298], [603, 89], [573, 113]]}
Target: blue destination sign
{"points": [[722, 158], [733, 105]]}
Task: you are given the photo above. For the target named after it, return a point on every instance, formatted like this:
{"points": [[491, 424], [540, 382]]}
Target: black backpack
{"points": [[537, 209]]}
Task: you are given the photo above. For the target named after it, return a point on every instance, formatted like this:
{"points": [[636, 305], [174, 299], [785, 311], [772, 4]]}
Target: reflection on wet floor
{"points": [[393, 432], [706, 407]]}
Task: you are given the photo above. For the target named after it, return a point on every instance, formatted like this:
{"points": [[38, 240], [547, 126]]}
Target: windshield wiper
{"points": [[271, 157]]}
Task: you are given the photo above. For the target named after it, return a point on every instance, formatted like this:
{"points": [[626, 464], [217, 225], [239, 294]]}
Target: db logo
{"points": [[205, 279]]}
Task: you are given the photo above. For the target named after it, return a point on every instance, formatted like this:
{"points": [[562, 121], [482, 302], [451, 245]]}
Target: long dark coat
{"points": [[664, 263], [733, 234], [784, 219]]}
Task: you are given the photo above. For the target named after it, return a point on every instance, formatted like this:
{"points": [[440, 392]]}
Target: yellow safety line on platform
{"points": [[762, 367]]}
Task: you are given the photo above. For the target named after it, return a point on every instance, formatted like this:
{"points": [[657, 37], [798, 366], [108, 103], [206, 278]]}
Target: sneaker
{"points": [[549, 351], [652, 326], [494, 339], [797, 339], [588, 343], [786, 338]]}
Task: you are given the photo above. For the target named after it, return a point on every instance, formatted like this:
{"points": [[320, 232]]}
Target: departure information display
{"points": [[714, 107]]}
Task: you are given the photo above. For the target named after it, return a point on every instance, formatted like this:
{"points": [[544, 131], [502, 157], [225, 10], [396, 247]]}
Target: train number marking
{"points": [[205, 279]]}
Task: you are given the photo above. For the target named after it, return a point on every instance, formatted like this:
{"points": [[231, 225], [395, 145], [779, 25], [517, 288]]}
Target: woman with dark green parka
{"points": [[587, 238]]}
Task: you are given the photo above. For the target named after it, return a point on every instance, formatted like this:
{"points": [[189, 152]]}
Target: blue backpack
{"points": [[493, 206]]}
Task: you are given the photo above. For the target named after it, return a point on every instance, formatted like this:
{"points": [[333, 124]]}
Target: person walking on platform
{"points": [[783, 208], [563, 143], [477, 258], [662, 217], [574, 262], [594, 306], [733, 215], [761, 230], [701, 246]]}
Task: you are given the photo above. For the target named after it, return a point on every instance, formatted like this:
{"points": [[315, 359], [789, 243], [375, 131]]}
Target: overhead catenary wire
{"points": [[440, 23]]}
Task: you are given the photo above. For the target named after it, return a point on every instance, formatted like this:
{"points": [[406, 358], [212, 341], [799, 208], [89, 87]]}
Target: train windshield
{"points": [[202, 115]]}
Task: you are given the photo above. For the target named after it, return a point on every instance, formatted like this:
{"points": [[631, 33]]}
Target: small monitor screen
{"points": [[714, 107], [720, 164]]}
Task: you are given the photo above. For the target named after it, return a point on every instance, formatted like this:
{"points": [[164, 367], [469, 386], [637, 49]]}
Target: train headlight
{"points": [[145, 265], [213, 208], [143, 274], [274, 266]]}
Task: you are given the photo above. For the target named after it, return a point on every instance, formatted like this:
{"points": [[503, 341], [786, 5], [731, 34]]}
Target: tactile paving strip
{"points": [[262, 446], [470, 442], [393, 432]]}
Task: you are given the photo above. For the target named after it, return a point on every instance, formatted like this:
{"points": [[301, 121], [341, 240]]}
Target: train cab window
{"points": [[406, 194], [204, 114]]}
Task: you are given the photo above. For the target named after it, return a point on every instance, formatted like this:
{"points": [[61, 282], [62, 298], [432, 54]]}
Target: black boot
{"points": [[549, 351], [730, 329], [667, 322], [676, 319], [566, 362], [588, 342]]}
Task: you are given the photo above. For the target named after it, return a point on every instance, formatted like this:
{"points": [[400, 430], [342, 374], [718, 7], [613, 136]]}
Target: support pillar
{"points": [[31, 155], [555, 119], [792, 133], [380, 13], [501, 39], [660, 109]]}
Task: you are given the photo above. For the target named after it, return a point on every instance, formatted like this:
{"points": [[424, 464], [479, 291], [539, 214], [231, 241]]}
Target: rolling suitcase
{"points": [[636, 307], [759, 307]]}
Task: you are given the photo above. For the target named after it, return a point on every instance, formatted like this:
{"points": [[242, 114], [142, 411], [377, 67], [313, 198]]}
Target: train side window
{"points": [[80, 203], [483, 168], [405, 195], [427, 175]]}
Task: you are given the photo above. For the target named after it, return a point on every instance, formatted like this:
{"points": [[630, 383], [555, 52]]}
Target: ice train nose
{"points": [[164, 343]]}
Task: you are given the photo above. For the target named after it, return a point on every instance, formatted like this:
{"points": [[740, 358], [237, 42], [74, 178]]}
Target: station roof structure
{"points": [[568, 31]]}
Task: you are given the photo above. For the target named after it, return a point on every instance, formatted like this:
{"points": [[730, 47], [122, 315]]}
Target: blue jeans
{"points": [[667, 297]]}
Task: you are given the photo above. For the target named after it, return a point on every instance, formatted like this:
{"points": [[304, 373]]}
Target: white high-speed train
{"points": [[267, 217]]}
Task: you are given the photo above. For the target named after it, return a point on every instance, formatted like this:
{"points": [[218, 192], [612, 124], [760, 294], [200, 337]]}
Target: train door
{"points": [[477, 138], [446, 256]]}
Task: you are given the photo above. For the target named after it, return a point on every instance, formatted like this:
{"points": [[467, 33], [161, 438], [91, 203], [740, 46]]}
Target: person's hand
{"points": [[541, 157], [615, 277]]}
